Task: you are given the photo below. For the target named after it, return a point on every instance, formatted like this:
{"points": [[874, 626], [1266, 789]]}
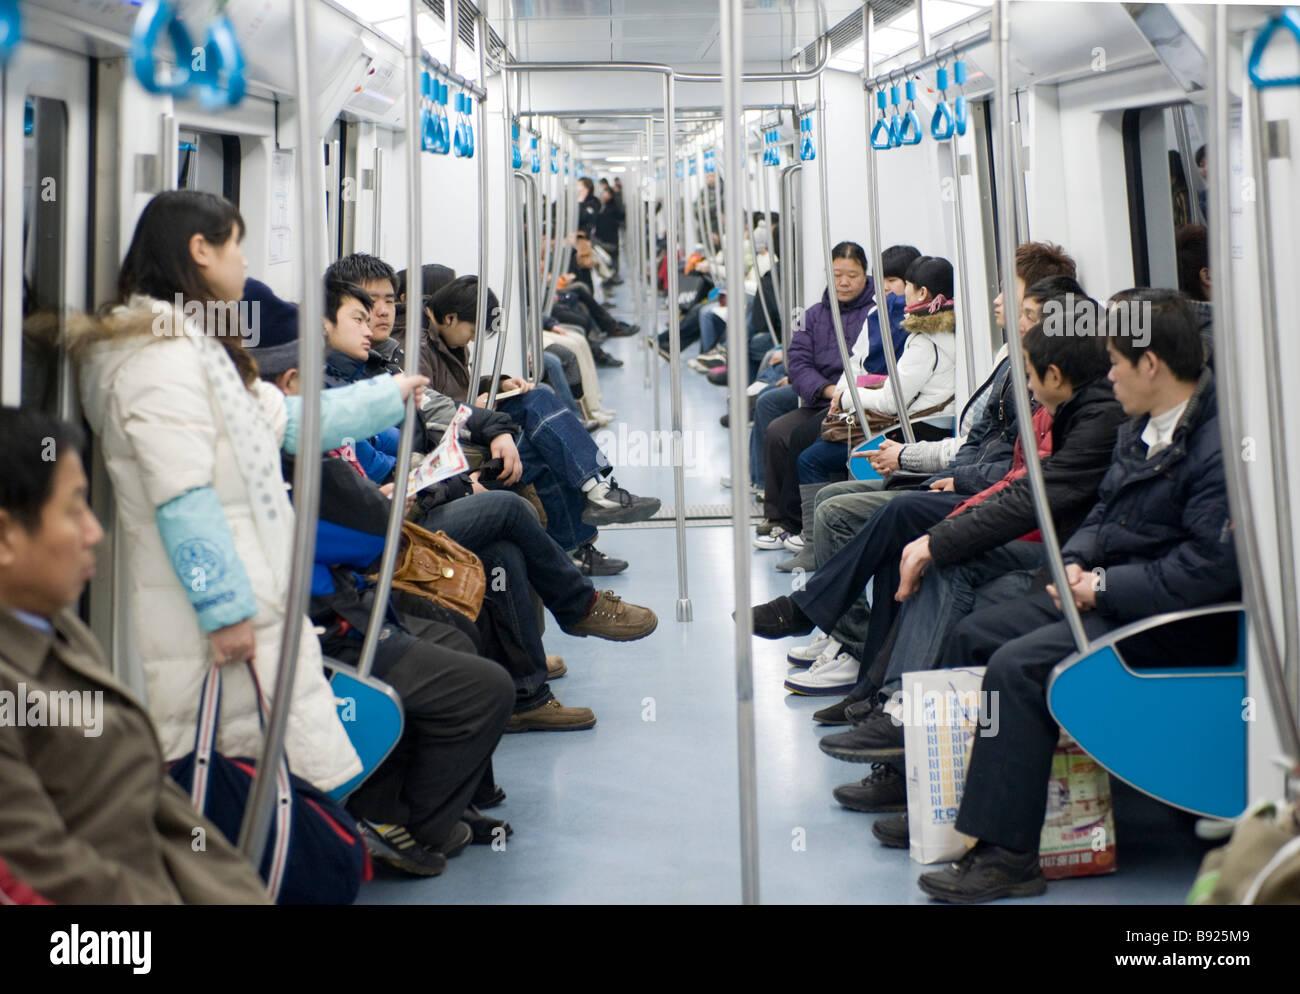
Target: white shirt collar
{"points": [[1159, 431]]}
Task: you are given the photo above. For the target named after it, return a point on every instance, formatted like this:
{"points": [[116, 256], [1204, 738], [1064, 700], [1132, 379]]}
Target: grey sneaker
{"points": [[393, 846]]}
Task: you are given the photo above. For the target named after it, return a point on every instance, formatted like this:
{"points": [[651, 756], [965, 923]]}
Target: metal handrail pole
{"points": [[734, 139], [1011, 307], [256, 819], [1227, 377]]}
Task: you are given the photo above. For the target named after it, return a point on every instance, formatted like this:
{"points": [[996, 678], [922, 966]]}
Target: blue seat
{"points": [[938, 426], [371, 713], [1176, 734]]}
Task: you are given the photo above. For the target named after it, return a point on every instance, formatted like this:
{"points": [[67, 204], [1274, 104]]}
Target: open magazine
{"points": [[447, 460]]}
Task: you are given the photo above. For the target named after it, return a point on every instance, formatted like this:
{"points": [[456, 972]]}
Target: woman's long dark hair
{"points": [[159, 263]]}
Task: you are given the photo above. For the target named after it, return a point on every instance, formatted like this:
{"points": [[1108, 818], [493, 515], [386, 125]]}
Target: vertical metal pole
{"points": [[1275, 389], [793, 298], [480, 314], [1011, 307], [733, 137], [306, 477], [525, 263], [882, 308], [753, 245], [773, 249], [511, 213], [684, 612], [647, 321], [652, 236], [1231, 421], [964, 301]]}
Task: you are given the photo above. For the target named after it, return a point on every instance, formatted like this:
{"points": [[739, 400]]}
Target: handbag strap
{"points": [[205, 736]]}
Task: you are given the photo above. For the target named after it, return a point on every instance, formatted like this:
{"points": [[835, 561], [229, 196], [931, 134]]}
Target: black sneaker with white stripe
{"points": [[610, 504], [393, 846], [592, 562]]}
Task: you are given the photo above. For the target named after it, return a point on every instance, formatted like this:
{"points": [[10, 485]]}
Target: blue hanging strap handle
{"points": [[910, 131], [1289, 19], [443, 144], [536, 164], [469, 125], [896, 120], [516, 157], [959, 108], [156, 17], [942, 124], [555, 161], [222, 83], [807, 150], [459, 142], [880, 134], [11, 28]]}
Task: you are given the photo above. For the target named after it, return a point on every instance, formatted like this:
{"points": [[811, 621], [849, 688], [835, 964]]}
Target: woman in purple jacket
{"points": [[815, 367]]}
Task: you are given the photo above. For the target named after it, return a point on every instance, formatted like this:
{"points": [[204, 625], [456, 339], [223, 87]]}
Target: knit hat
{"points": [[273, 334]]}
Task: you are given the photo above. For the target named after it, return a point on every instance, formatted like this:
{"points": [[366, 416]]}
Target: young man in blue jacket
{"points": [[1162, 537]]}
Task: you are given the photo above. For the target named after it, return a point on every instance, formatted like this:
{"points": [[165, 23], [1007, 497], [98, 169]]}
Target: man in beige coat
{"points": [[88, 814]]}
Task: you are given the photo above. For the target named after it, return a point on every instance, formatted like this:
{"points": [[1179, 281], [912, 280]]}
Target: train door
{"points": [[44, 261]]}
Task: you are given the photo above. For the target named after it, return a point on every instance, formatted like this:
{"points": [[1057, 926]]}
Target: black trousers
{"points": [[1020, 642], [787, 436], [873, 554], [457, 705]]}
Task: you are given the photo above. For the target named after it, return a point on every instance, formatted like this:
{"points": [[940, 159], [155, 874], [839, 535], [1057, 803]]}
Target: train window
{"points": [[210, 162], [1166, 189], [45, 140]]}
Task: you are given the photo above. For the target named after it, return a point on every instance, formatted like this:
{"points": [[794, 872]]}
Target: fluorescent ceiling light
{"points": [[846, 61], [624, 158]]}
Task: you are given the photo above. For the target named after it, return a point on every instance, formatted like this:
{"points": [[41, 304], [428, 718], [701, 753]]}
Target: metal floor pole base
{"points": [[684, 612]]}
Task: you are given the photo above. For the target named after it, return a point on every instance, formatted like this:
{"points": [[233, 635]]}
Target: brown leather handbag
{"points": [[843, 427], [432, 565]]}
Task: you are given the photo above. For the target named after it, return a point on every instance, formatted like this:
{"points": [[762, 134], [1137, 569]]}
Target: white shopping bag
{"points": [[940, 711]]}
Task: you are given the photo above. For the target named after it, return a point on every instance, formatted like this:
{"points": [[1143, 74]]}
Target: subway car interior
{"points": [[791, 587]]}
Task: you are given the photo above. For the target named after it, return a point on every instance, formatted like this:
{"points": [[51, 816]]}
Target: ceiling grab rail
{"points": [[734, 139], [1005, 159], [256, 821], [481, 329], [879, 292], [1227, 377], [1275, 389]]}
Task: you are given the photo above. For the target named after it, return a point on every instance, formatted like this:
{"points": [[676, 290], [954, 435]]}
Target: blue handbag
{"points": [[314, 855]]}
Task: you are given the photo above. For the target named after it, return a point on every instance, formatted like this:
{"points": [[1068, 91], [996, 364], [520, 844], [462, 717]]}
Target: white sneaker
{"points": [[829, 676], [806, 655], [775, 539], [794, 543]]}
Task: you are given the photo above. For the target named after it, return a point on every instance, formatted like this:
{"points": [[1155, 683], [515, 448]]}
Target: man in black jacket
{"points": [[1159, 539], [1083, 433]]}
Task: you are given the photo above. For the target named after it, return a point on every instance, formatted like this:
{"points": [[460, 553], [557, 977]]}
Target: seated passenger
{"points": [[88, 814], [575, 491], [1082, 436], [1192, 244], [1160, 534], [927, 370], [503, 530], [982, 459], [192, 440], [815, 365], [415, 809]]}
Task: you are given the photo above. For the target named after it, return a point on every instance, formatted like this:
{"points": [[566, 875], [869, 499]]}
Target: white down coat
{"points": [[162, 433]]}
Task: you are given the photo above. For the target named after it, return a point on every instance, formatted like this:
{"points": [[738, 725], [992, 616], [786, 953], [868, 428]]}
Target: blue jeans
{"points": [[771, 404], [502, 529], [821, 461], [949, 593], [558, 456], [713, 326], [556, 382]]}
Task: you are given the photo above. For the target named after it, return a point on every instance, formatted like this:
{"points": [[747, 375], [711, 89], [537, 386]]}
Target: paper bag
{"points": [[1078, 837]]}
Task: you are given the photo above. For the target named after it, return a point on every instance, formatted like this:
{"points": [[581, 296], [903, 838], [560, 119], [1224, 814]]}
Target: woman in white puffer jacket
{"points": [[191, 438]]}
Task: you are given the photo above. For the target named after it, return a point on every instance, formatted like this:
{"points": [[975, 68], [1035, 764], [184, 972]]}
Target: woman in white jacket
{"points": [[192, 438]]}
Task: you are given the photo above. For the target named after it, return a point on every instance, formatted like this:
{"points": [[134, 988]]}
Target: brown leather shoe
{"points": [[551, 717], [615, 619], [555, 667]]}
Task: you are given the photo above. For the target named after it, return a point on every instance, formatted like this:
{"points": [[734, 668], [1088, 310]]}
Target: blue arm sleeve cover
{"points": [[358, 410], [201, 548]]}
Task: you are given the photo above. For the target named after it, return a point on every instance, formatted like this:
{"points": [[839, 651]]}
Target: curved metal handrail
{"points": [[256, 819], [1240, 506], [877, 259]]}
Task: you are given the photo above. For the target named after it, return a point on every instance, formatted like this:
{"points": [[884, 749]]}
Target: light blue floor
{"points": [[644, 809]]}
